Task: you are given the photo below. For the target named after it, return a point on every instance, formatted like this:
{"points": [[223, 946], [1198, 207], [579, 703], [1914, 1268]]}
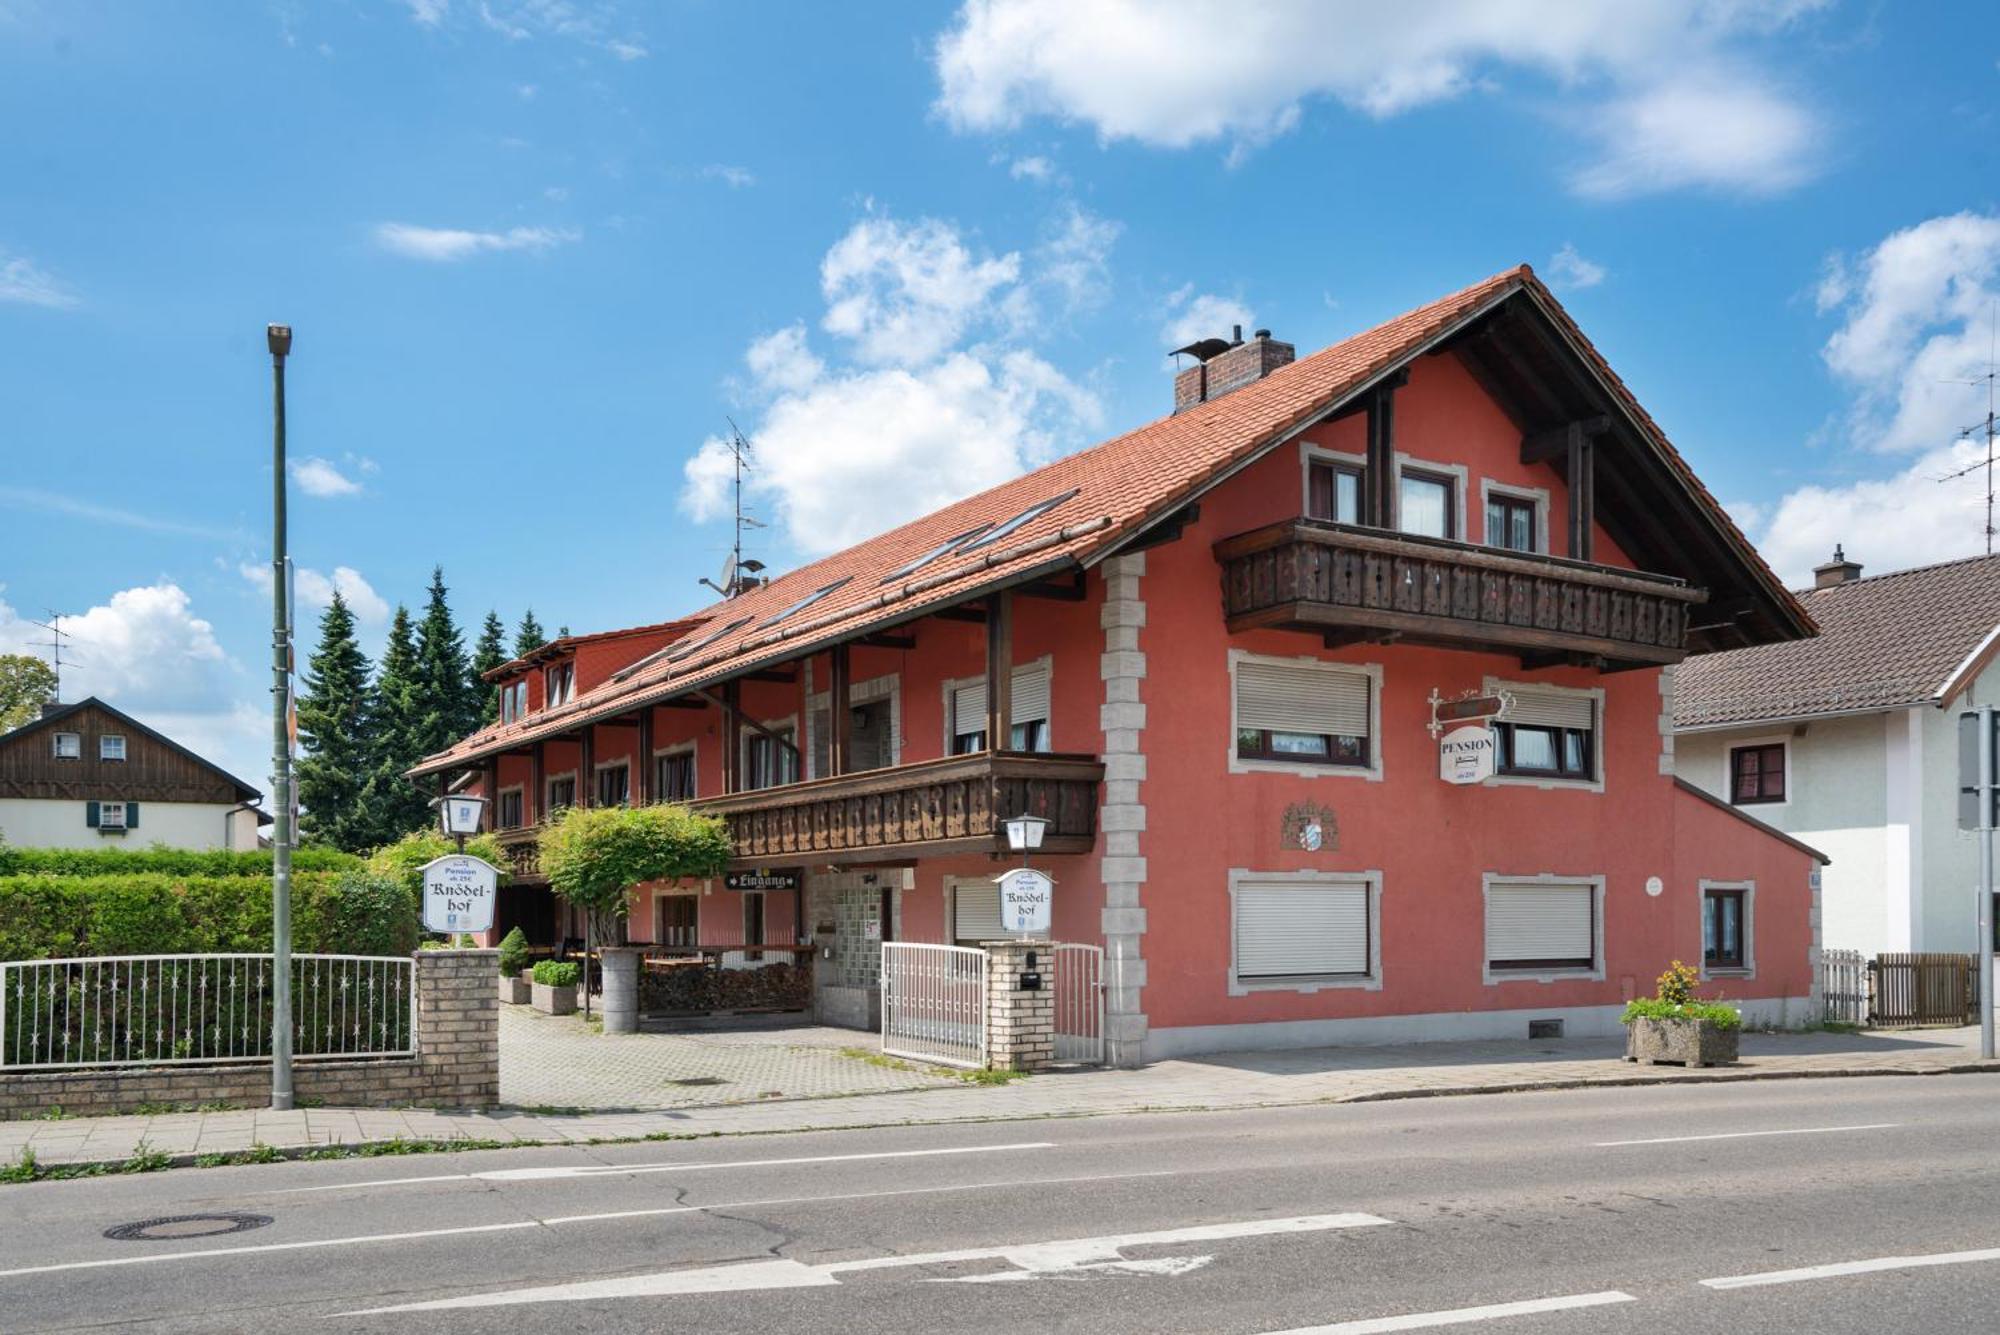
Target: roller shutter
{"points": [[1540, 924], [1030, 700], [975, 912], [1301, 697], [1548, 709], [1290, 930]]}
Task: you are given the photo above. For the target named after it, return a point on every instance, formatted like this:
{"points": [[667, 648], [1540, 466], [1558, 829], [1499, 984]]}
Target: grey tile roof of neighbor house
{"points": [[1885, 642]]}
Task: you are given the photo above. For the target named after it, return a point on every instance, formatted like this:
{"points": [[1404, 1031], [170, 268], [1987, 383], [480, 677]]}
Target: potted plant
{"points": [[554, 987], [1673, 1026], [514, 985]]}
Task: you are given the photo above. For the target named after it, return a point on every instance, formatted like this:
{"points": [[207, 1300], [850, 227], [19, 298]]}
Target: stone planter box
{"points": [[514, 989], [554, 1000], [1688, 1042]]}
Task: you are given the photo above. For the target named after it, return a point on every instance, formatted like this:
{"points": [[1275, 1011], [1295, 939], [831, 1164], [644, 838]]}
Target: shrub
{"points": [[164, 861], [594, 855], [1677, 984], [556, 973], [405, 859], [513, 954], [1654, 1008]]}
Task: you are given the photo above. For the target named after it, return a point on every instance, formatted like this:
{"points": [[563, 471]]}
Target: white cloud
{"points": [[315, 591], [736, 178], [33, 498], [1192, 317], [143, 649], [917, 414], [1665, 89], [595, 23], [322, 477], [626, 50], [1918, 314], [905, 292], [1570, 271], [1031, 169], [24, 282], [447, 244], [429, 13]]}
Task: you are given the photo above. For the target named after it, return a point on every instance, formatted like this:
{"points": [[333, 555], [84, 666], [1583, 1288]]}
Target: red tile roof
{"points": [[1885, 642], [556, 647], [1114, 490]]}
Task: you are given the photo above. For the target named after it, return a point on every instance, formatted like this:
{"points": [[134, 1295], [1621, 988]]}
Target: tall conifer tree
{"points": [[489, 653], [448, 704], [336, 760], [394, 805], [529, 635]]}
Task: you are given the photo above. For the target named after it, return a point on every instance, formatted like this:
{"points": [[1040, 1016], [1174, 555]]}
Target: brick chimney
{"points": [[1221, 367], [1839, 570], [52, 707]]}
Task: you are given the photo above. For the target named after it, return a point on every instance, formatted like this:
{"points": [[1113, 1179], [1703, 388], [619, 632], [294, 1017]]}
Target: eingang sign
{"points": [[781, 879]]}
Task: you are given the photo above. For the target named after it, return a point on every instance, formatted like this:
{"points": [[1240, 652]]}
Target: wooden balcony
{"points": [[930, 809], [521, 845], [1357, 584]]}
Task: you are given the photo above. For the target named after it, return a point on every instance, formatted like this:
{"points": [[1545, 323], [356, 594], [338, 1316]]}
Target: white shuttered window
{"points": [[1303, 713], [975, 913], [1292, 929], [1541, 926], [1028, 707], [1552, 709]]}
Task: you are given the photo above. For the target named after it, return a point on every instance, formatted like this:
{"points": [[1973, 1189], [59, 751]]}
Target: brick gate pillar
{"points": [[1020, 1024], [458, 1027]]}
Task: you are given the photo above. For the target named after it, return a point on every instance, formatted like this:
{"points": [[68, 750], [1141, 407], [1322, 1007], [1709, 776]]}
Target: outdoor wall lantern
{"points": [[460, 815], [1024, 833]]}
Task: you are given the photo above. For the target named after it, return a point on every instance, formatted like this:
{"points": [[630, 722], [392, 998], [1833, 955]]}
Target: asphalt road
{"points": [[1603, 1210]]}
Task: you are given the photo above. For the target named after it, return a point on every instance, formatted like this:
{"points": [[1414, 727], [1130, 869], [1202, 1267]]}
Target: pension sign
{"points": [[460, 892]]}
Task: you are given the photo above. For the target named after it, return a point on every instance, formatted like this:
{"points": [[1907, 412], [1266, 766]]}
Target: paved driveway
{"points": [[551, 1062]]}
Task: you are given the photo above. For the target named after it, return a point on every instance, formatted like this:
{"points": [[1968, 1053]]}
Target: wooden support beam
{"points": [[840, 714], [1346, 636], [731, 702], [1582, 492], [1378, 505], [1539, 447], [786, 675], [1497, 341], [642, 764], [1535, 662], [1166, 530], [534, 812], [586, 770], [999, 670], [972, 614], [682, 702], [1069, 591], [885, 640]]}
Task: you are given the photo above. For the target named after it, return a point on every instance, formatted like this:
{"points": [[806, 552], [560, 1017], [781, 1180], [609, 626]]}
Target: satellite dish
{"points": [[728, 575]]}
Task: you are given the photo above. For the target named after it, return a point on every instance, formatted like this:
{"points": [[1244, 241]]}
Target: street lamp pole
{"points": [[279, 338]]}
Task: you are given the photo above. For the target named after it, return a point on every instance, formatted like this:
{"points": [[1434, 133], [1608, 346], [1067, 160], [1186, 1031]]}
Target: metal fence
{"points": [[147, 1010], [1078, 974], [934, 1002], [1843, 986]]}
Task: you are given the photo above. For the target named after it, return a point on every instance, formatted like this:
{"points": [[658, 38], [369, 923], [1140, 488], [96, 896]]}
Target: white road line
{"points": [[1748, 1135], [1063, 1258], [157, 1258], [1842, 1269], [1463, 1316], [621, 1170]]}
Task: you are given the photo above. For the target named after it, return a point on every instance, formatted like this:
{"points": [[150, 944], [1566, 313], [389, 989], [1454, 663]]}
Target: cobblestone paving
{"points": [[551, 1061], [1229, 1080]]}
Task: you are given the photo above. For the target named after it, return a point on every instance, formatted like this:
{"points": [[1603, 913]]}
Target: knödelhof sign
{"points": [[1025, 899], [460, 892]]}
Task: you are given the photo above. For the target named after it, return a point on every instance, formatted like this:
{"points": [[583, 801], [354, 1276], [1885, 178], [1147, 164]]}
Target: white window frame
{"points": [[772, 725], [1537, 496], [1749, 889], [1302, 768], [1306, 985], [1495, 977], [1310, 454], [690, 748], [499, 793], [888, 686], [1734, 744], [952, 685], [548, 781], [1461, 478], [105, 738], [104, 824], [1595, 783], [56, 746]]}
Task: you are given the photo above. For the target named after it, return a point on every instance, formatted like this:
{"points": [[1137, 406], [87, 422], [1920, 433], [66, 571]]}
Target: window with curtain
{"points": [[1510, 523], [1548, 735], [1757, 774], [507, 813], [562, 793], [768, 758], [674, 776], [1424, 504], [1302, 713], [1724, 928], [1029, 706], [614, 785], [1333, 491]]}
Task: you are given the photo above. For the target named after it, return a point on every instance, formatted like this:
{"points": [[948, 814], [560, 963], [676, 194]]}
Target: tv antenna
{"points": [[54, 644], [1992, 370], [738, 572]]}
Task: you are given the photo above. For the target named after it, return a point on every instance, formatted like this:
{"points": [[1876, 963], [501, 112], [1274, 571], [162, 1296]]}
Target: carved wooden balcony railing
{"points": [[1361, 583], [931, 808], [521, 844]]}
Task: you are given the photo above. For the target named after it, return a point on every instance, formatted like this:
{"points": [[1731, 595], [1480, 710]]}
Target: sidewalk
{"points": [[1227, 1080]]}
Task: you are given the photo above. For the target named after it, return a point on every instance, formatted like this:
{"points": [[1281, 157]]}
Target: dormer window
{"points": [[69, 746], [111, 746], [513, 700], [559, 685]]}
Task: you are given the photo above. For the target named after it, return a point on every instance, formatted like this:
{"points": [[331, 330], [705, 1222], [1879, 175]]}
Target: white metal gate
{"points": [[1079, 984], [934, 1002]]}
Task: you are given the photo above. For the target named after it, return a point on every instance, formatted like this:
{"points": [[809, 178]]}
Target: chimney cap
{"points": [[1839, 570], [1204, 349], [1263, 333]]}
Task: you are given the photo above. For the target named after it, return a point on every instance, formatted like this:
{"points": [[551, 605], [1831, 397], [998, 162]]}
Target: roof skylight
{"points": [[805, 602], [1033, 512], [943, 548], [683, 650]]}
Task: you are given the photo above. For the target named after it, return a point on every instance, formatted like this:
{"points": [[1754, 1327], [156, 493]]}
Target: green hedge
{"points": [[556, 973], [163, 861], [333, 912]]}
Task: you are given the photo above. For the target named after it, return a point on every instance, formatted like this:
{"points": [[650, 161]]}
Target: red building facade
{"points": [[1220, 637]]}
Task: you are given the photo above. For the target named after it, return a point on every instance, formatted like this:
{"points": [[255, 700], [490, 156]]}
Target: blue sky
{"points": [[538, 251]]}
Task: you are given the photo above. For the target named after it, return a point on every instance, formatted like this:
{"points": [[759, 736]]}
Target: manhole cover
{"points": [[186, 1226]]}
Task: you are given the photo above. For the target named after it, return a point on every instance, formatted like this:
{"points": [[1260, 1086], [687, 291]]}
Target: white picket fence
{"points": [[934, 1002], [150, 1010]]}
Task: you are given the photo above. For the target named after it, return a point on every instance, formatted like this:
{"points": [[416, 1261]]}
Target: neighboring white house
{"points": [[1849, 742], [88, 776]]}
